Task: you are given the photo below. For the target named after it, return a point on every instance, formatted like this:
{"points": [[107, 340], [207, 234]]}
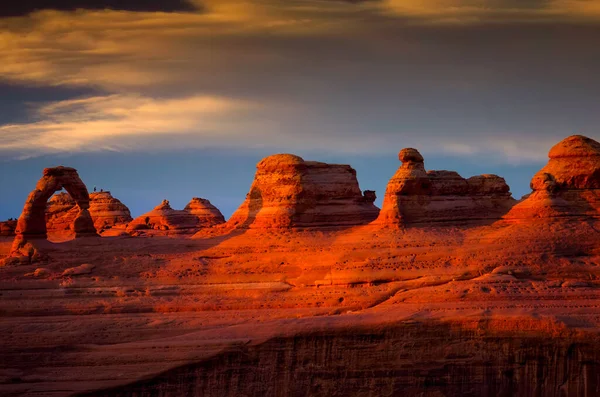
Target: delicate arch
{"points": [[32, 222]]}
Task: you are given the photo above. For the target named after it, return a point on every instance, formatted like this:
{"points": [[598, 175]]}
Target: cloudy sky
{"points": [[175, 99]]}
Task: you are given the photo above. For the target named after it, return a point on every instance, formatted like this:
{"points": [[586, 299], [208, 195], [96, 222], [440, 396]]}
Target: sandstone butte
{"points": [[414, 195], [164, 220], [290, 192], [452, 289], [106, 212]]}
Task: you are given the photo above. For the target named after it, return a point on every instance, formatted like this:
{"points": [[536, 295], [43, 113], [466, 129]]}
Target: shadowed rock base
{"points": [[414, 359]]}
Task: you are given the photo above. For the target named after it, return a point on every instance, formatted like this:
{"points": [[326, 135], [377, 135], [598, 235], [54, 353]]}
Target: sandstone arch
{"points": [[32, 222]]}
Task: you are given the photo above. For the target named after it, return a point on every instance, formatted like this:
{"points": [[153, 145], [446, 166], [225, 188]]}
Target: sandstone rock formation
{"points": [[86, 268], [59, 217], [165, 220], [414, 195], [32, 223], [569, 185], [500, 309], [207, 214], [7, 228], [106, 212], [290, 192]]}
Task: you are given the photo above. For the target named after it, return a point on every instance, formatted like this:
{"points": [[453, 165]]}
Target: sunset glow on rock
{"points": [[300, 198]]}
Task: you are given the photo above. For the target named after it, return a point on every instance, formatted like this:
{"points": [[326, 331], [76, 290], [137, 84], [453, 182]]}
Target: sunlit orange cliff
{"points": [[452, 288]]}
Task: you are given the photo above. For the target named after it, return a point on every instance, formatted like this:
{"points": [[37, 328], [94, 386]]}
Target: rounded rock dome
{"points": [[575, 146], [280, 160], [410, 155]]}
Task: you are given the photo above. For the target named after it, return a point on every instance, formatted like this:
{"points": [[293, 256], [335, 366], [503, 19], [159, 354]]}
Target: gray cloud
{"points": [[18, 8], [365, 78]]}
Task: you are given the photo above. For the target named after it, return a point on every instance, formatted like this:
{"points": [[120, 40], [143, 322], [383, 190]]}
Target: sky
{"points": [[174, 99]]}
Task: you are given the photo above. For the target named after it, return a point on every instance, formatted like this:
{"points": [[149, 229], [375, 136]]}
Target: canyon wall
{"points": [[413, 359]]}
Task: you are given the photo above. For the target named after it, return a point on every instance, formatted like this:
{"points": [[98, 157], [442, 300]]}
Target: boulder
{"points": [[86, 268], [39, 272]]}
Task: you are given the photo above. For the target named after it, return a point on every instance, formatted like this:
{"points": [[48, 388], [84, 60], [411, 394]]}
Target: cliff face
{"points": [[290, 192], [568, 186], [414, 195], [404, 360], [106, 212]]}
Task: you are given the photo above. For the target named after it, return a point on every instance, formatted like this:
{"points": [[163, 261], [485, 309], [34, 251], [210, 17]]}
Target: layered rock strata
{"points": [[569, 185], [207, 214], [106, 212], [414, 195], [290, 192]]}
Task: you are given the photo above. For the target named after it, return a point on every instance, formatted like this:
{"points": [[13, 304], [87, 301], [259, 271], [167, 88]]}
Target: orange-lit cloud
{"points": [[102, 123], [129, 122], [485, 11]]}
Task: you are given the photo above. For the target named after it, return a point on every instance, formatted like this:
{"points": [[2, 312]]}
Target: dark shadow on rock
{"points": [[255, 204], [403, 359]]}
